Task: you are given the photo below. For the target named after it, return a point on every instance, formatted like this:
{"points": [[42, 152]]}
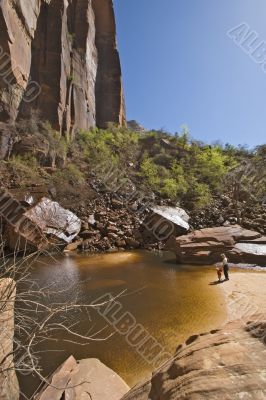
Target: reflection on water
{"points": [[171, 302]]}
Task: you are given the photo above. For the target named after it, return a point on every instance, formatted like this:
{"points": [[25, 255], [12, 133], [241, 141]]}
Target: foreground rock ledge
{"points": [[205, 246], [86, 379], [224, 364]]}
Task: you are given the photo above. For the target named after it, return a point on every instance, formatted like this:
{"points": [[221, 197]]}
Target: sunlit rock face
{"points": [[60, 56], [54, 220], [176, 215], [41, 226], [83, 377], [227, 363], [205, 246]]}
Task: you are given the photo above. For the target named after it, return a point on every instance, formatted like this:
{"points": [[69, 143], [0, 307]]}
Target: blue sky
{"points": [[180, 67]]}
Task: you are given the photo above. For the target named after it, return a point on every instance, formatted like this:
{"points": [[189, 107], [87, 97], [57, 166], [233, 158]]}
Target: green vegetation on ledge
{"points": [[174, 167]]}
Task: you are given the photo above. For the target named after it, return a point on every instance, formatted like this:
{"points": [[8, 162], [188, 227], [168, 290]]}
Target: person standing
{"points": [[225, 267]]}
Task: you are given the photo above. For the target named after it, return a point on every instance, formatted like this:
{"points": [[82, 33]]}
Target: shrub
{"points": [[211, 166], [112, 146], [27, 160], [149, 171], [198, 195], [25, 169], [58, 145], [169, 189], [70, 174], [163, 159]]}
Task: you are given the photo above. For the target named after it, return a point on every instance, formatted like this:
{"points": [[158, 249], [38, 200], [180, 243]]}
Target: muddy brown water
{"points": [[170, 301]]}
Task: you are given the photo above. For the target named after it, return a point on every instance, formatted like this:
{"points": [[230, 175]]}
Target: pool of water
{"points": [[170, 301]]}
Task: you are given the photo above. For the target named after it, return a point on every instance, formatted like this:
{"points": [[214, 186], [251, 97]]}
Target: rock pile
{"points": [[223, 213], [107, 225], [111, 224]]}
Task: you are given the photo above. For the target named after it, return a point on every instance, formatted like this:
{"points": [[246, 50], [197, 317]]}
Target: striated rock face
{"points": [[223, 364], [60, 56], [109, 92]]}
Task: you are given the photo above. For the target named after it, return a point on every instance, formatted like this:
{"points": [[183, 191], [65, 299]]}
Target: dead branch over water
{"points": [[38, 318]]}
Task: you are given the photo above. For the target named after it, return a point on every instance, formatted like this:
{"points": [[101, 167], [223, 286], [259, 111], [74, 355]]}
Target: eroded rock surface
{"points": [[205, 246], [60, 56], [225, 364]]}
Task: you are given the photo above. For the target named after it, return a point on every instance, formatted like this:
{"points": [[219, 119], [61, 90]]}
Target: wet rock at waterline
{"points": [[227, 363], [205, 246], [86, 379]]}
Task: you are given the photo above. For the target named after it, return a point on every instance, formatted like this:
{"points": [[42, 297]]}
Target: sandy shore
{"points": [[245, 294]]}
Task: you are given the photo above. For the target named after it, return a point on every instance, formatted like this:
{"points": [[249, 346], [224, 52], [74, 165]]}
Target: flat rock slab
{"points": [[259, 249], [221, 234], [205, 246], [84, 380]]}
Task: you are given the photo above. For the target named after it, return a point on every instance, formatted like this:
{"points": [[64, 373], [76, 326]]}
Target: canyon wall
{"points": [[60, 57]]}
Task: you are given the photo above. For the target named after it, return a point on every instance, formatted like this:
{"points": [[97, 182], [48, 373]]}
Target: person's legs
{"points": [[226, 275]]}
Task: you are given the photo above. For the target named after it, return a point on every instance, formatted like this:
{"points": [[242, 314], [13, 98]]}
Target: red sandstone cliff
{"points": [[60, 56]]}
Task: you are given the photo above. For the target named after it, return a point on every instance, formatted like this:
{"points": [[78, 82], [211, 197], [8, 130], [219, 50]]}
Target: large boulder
{"points": [[205, 246], [86, 379], [224, 364], [54, 220], [164, 221], [39, 226]]}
